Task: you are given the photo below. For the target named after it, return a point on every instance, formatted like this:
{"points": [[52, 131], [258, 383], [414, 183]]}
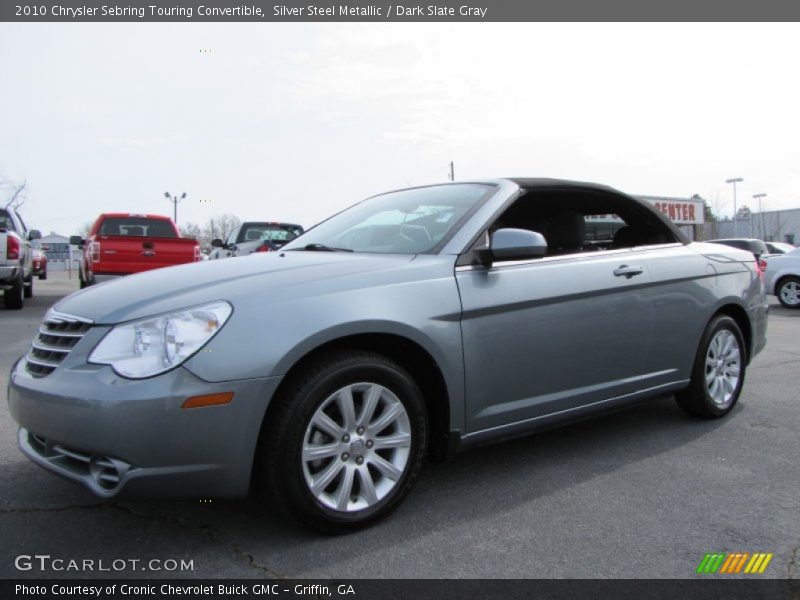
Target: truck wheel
{"points": [[345, 442], [718, 373], [43, 276], [13, 298], [29, 288], [788, 292], [81, 282]]}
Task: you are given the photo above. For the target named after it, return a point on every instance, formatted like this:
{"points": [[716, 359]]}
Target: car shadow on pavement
{"points": [[475, 485]]}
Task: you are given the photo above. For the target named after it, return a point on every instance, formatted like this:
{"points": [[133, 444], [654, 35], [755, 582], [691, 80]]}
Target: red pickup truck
{"points": [[123, 243]]}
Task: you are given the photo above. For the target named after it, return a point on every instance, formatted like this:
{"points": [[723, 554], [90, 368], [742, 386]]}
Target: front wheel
{"points": [[718, 372], [346, 441], [788, 292], [29, 288]]}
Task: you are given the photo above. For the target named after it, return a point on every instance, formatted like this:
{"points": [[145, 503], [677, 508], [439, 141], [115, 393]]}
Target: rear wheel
{"points": [[43, 276], [29, 287], [345, 443], [14, 298], [718, 373], [788, 292]]}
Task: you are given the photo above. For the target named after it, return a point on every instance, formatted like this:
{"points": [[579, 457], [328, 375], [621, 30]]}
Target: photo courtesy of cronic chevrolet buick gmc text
{"points": [[410, 326]]}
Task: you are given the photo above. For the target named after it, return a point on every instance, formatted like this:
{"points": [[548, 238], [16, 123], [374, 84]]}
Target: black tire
{"points": [[43, 276], [782, 289], [28, 289], [81, 283], [14, 298], [697, 399], [280, 468]]}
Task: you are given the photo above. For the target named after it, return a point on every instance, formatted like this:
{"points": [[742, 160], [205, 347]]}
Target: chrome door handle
{"points": [[628, 272]]}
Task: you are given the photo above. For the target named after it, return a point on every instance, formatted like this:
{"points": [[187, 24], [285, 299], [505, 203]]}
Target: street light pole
{"points": [[174, 200], [761, 214], [734, 181]]}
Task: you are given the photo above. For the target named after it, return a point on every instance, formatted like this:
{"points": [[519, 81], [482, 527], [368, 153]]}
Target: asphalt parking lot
{"points": [[644, 493]]}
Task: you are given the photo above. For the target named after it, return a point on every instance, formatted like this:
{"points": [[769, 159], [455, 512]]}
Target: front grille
{"points": [[57, 336], [105, 471]]}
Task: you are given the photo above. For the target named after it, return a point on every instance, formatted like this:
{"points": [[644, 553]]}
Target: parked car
{"points": [[255, 236], [39, 260], [757, 247], [16, 258], [124, 243], [782, 278], [415, 324], [779, 247]]}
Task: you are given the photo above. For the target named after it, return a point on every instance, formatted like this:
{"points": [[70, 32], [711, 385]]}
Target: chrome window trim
{"points": [[573, 256]]}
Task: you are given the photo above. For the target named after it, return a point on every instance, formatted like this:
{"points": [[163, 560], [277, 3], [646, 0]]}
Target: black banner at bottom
{"points": [[390, 589]]}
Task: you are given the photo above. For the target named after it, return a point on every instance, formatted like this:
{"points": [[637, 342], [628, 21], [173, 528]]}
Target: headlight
{"points": [[151, 346]]}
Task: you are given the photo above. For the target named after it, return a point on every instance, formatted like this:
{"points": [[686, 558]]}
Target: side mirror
{"points": [[217, 243], [75, 240], [517, 244], [34, 234]]}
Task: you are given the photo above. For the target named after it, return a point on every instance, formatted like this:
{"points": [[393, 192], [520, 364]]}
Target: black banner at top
{"points": [[392, 10]]}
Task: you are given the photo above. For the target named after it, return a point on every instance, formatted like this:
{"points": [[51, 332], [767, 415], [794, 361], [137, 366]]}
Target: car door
{"points": [[685, 292], [553, 334]]}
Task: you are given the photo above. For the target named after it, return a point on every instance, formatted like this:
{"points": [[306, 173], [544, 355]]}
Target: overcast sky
{"points": [[296, 121]]}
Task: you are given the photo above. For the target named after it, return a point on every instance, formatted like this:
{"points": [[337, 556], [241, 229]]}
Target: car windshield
{"points": [[413, 221]]}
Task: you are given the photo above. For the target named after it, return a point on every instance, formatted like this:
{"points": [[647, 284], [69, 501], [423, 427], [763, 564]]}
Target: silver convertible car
{"points": [[412, 325]]}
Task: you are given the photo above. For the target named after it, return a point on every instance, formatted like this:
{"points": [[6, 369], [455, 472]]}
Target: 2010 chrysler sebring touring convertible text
{"points": [[413, 324]]}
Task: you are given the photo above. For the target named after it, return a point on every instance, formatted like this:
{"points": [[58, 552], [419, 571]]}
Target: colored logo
{"points": [[735, 562]]}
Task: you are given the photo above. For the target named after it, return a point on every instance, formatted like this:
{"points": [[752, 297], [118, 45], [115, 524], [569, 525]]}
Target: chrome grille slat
{"points": [[48, 348], [42, 362], [44, 331], [58, 334]]}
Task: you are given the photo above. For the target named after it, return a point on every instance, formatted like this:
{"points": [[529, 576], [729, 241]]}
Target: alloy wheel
{"points": [[723, 367], [356, 447], [790, 293]]}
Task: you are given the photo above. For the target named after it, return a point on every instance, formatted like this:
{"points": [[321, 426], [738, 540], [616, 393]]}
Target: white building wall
{"points": [[771, 226]]}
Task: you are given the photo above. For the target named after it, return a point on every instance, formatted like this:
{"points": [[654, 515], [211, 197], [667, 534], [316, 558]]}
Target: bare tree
{"points": [[191, 230], [15, 192], [84, 229], [220, 227]]}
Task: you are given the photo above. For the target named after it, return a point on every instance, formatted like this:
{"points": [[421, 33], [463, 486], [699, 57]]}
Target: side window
{"points": [[581, 221]]}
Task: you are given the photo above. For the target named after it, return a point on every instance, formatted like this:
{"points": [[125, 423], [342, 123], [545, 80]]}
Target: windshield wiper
{"points": [[322, 248]]}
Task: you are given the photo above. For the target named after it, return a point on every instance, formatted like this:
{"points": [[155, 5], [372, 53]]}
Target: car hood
{"points": [[263, 275]]}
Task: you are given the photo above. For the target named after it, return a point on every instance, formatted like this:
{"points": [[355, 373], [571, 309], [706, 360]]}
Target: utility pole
{"points": [[452, 172], [174, 200], [761, 214], [734, 181]]}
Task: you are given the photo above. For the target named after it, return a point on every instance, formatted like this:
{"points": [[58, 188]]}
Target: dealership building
{"points": [[687, 213]]}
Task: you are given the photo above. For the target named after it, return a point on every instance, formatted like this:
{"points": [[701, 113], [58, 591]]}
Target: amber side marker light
{"points": [[208, 400]]}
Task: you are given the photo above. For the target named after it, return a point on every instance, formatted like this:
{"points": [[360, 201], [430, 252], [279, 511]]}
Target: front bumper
{"points": [[132, 438]]}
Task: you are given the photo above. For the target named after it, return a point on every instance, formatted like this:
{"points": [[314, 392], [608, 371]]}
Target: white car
{"points": [[782, 277]]}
